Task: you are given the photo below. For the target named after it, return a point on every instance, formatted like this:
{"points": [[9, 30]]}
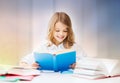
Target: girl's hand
{"points": [[35, 65], [73, 66]]}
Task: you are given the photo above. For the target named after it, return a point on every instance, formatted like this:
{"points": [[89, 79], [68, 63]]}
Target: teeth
{"points": [[61, 37]]}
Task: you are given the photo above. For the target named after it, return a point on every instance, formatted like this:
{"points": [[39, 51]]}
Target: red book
{"points": [[11, 73]]}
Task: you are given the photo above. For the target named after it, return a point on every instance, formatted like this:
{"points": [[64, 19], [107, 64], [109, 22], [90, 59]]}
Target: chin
{"points": [[60, 41]]}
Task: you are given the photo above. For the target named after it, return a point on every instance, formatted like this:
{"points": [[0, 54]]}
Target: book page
{"points": [[112, 66], [25, 72], [4, 68], [90, 63], [64, 51], [90, 68], [87, 71], [18, 70], [2, 71], [64, 60], [87, 76], [108, 67], [45, 60]]}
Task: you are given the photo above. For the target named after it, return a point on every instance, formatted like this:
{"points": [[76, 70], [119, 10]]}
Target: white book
{"points": [[87, 71], [96, 68], [90, 63]]}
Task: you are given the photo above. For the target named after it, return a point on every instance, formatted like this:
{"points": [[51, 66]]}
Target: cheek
{"points": [[66, 34], [55, 33]]}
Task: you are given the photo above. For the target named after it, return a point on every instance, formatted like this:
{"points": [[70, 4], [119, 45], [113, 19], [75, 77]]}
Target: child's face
{"points": [[60, 32]]}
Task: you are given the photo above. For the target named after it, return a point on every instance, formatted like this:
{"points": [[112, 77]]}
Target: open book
{"points": [[94, 68], [59, 61], [10, 73]]}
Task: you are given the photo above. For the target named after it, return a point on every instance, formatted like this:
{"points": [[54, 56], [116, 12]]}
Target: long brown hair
{"points": [[65, 19]]}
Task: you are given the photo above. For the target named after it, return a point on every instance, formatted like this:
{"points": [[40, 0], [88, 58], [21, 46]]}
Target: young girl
{"points": [[60, 37]]}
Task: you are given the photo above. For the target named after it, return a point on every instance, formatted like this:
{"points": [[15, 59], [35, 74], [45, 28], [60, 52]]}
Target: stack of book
{"points": [[15, 73], [94, 68]]}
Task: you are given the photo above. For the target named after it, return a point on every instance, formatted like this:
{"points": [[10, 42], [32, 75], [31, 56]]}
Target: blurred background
{"points": [[24, 24]]}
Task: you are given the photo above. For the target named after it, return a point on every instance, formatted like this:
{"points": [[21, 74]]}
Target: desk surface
{"points": [[65, 78]]}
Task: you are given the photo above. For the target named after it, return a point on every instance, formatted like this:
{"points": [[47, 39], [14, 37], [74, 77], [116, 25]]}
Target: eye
{"points": [[65, 31], [57, 30]]}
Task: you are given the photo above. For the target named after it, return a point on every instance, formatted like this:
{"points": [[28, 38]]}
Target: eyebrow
{"points": [[59, 28], [63, 29]]}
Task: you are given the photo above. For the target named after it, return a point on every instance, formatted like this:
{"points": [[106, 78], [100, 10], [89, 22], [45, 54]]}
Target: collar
{"points": [[60, 46]]}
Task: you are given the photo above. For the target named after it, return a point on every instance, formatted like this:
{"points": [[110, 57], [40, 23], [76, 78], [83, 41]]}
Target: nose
{"points": [[61, 33]]}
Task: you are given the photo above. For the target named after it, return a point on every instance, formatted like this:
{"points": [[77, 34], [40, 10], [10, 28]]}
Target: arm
{"points": [[26, 65], [28, 62], [80, 54]]}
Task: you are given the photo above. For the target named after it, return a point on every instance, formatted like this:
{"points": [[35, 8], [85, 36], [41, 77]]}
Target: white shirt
{"points": [[29, 59]]}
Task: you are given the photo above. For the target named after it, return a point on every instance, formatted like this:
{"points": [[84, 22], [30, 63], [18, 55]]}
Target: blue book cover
{"points": [[56, 62]]}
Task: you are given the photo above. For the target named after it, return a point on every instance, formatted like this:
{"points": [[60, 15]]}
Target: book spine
{"points": [[54, 63]]}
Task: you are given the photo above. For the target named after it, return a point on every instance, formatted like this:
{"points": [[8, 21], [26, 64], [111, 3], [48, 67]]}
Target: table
{"points": [[65, 78]]}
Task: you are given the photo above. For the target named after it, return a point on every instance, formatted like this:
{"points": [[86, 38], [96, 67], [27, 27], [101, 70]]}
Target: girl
{"points": [[60, 37]]}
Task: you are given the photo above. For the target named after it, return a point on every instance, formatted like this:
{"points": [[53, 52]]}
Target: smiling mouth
{"points": [[60, 37]]}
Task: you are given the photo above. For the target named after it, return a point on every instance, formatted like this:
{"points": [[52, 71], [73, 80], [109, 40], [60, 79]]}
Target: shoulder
{"points": [[42, 46], [76, 45], [78, 48]]}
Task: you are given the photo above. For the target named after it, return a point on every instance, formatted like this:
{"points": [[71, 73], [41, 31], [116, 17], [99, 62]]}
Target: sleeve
{"points": [[80, 53], [29, 59]]}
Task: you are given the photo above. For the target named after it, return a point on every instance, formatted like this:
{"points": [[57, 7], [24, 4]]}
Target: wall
{"points": [[23, 26], [15, 30]]}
